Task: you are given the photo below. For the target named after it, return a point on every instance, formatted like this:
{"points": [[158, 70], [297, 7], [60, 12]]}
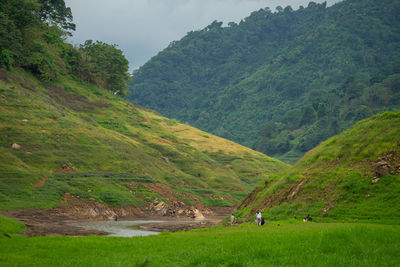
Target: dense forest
{"points": [[282, 81], [32, 37]]}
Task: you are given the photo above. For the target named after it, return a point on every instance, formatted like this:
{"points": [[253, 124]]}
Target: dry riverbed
{"points": [[58, 222]]}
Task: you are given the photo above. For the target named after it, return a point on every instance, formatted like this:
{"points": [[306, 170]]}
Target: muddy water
{"points": [[119, 228], [122, 228]]}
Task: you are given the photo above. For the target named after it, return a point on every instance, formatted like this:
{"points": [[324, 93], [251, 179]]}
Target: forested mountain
{"points": [[280, 82], [352, 176], [66, 135]]}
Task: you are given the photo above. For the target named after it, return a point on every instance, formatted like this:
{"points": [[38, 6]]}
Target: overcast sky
{"points": [[142, 28]]}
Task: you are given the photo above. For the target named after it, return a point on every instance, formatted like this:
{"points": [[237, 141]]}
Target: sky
{"points": [[142, 28]]}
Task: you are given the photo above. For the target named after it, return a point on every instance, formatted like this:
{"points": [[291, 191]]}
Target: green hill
{"points": [[280, 82], [65, 134], [69, 137], [354, 176]]}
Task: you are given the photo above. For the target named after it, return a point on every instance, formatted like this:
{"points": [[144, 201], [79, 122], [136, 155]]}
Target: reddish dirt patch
{"points": [[162, 141], [250, 198], [65, 169], [72, 138], [41, 182], [296, 190]]}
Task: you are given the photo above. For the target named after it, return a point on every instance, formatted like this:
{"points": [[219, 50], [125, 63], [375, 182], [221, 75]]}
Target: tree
{"points": [[106, 66], [55, 12]]}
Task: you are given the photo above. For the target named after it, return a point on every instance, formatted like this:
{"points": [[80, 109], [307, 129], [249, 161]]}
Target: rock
{"points": [[16, 146], [161, 208], [375, 180], [181, 212], [198, 215], [382, 168], [166, 160]]}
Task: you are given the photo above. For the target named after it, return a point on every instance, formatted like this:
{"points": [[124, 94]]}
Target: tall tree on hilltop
{"points": [[106, 66], [55, 12]]}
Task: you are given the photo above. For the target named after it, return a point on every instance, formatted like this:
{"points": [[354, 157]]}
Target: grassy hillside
{"points": [[10, 228], [280, 82], [69, 137], [353, 176]]}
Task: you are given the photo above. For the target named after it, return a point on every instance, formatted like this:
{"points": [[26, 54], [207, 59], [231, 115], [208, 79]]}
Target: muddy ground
{"points": [[57, 221]]}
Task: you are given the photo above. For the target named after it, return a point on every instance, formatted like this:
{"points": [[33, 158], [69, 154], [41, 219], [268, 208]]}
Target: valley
{"points": [[100, 167]]}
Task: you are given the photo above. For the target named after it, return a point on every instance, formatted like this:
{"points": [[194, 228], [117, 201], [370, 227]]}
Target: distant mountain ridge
{"points": [[280, 82]]}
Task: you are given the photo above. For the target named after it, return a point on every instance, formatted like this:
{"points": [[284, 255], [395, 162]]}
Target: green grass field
{"points": [[286, 244]]}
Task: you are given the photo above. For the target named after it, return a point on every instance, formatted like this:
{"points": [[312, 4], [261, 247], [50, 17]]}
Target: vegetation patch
{"points": [[351, 177], [279, 243]]}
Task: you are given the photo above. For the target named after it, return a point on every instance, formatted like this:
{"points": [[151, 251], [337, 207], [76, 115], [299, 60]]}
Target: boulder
{"points": [[16, 146], [382, 168], [198, 215], [375, 180]]}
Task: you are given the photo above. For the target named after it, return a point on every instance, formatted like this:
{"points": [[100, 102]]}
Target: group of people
{"points": [[261, 221], [259, 218], [308, 218]]}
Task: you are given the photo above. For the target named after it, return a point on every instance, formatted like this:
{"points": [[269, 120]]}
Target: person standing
{"points": [[258, 217], [232, 219]]}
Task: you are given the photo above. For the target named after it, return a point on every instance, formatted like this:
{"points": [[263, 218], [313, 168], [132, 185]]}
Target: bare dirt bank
{"points": [[57, 221]]}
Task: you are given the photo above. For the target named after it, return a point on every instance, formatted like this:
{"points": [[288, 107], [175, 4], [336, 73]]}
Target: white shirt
{"points": [[258, 215]]}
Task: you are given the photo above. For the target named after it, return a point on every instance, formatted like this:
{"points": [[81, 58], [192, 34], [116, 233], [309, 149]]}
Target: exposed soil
{"points": [[57, 221], [179, 226], [48, 222]]}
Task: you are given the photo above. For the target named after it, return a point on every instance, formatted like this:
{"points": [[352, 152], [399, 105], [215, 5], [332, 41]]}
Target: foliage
{"points": [[55, 12], [106, 66], [10, 228], [274, 244], [279, 82], [32, 36]]}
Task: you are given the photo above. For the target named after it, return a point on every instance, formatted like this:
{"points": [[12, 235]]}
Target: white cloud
{"points": [[142, 28]]}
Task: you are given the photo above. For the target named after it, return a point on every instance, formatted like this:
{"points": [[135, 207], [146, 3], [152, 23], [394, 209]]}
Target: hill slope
{"points": [[280, 82], [352, 176], [67, 140]]}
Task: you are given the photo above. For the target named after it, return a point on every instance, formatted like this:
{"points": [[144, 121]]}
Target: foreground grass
{"points": [[308, 244], [10, 228]]}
